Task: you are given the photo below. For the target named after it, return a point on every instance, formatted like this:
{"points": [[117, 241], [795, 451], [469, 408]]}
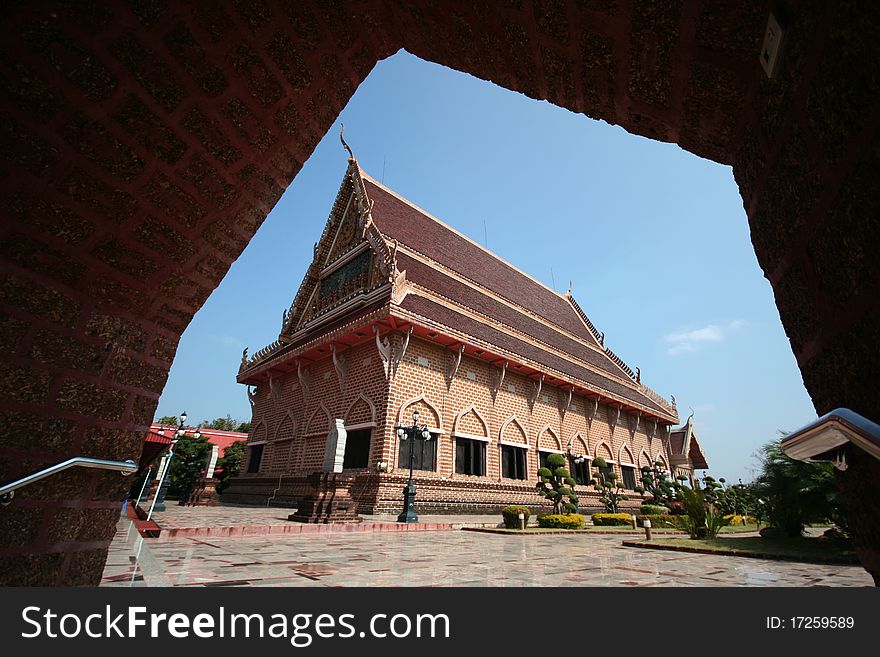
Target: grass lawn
{"points": [[807, 549], [733, 529]]}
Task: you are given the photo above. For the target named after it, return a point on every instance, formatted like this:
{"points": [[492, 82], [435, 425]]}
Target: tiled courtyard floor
{"points": [[217, 516], [441, 558]]}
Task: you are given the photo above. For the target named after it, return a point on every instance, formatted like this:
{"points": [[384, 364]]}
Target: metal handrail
{"points": [[125, 467]]}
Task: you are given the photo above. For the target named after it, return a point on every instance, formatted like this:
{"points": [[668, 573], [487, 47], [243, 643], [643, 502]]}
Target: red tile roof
{"points": [[466, 295], [397, 219], [448, 316], [532, 309], [222, 439]]}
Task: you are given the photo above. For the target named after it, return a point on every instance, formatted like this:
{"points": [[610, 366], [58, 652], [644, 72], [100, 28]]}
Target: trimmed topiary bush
{"points": [[561, 521], [653, 510], [511, 515], [556, 485], [611, 519], [658, 521]]}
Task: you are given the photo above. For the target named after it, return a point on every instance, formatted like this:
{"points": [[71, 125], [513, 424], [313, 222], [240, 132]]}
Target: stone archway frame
{"points": [[621, 460], [557, 450], [548, 429], [571, 442], [401, 421], [320, 408], [437, 431], [471, 408], [306, 433], [287, 416], [361, 397], [662, 459], [631, 463], [456, 433], [512, 420], [612, 461]]}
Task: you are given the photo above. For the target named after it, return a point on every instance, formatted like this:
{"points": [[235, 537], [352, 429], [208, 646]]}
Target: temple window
{"points": [[580, 472], [424, 453], [629, 476], [470, 457], [513, 462], [255, 457]]}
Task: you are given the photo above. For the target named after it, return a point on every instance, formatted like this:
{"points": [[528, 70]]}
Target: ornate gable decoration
{"points": [[350, 259]]}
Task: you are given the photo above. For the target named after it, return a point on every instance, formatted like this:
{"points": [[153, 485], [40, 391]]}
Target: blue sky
{"points": [[654, 240]]}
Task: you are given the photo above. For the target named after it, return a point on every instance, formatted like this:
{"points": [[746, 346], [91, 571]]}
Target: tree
{"points": [[167, 420], [230, 464], [609, 488], [190, 458], [796, 493], [555, 483], [221, 424], [657, 484], [244, 427]]}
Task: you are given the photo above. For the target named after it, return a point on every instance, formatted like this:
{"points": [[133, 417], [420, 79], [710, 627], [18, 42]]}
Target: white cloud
{"points": [[226, 340], [685, 341]]}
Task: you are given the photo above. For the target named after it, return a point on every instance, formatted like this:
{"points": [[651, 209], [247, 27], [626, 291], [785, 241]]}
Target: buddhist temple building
{"points": [[685, 454], [399, 312]]}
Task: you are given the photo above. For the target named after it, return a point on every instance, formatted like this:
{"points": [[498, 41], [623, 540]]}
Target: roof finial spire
{"points": [[568, 294], [344, 145]]}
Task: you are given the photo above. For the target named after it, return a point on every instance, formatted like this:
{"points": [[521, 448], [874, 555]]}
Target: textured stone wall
{"points": [[421, 383], [296, 432], [142, 144]]}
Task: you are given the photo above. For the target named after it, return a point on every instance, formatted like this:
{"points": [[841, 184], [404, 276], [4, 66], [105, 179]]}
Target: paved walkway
{"points": [[219, 516], [441, 558]]}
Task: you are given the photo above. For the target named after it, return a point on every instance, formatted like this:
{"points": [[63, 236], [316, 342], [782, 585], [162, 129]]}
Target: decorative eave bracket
{"points": [[536, 391], [452, 368], [497, 379]]}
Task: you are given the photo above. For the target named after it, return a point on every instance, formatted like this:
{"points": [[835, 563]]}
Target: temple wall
{"points": [[421, 383], [296, 425]]}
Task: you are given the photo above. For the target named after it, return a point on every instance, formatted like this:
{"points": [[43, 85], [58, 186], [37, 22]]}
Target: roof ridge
{"points": [[457, 232]]}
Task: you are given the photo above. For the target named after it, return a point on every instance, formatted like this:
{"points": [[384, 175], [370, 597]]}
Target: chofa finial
{"points": [[344, 145]]}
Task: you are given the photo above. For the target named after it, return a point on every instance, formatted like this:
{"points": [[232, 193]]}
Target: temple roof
{"points": [[399, 219], [460, 284], [683, 442], [430, 275]]}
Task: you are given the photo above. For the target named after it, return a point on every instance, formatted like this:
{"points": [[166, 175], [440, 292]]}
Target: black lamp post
{"points": [[165, 480], [409, 491]]}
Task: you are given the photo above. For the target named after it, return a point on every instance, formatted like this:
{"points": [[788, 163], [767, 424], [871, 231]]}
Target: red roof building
{"points": [[159, 438], [400, 312]]}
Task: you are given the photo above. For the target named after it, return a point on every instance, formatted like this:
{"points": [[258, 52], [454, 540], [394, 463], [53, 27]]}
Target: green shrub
{"points": [[658, 520], [561, 521], [653, 510], [703, 520], [511, 515], [611, 519]]}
